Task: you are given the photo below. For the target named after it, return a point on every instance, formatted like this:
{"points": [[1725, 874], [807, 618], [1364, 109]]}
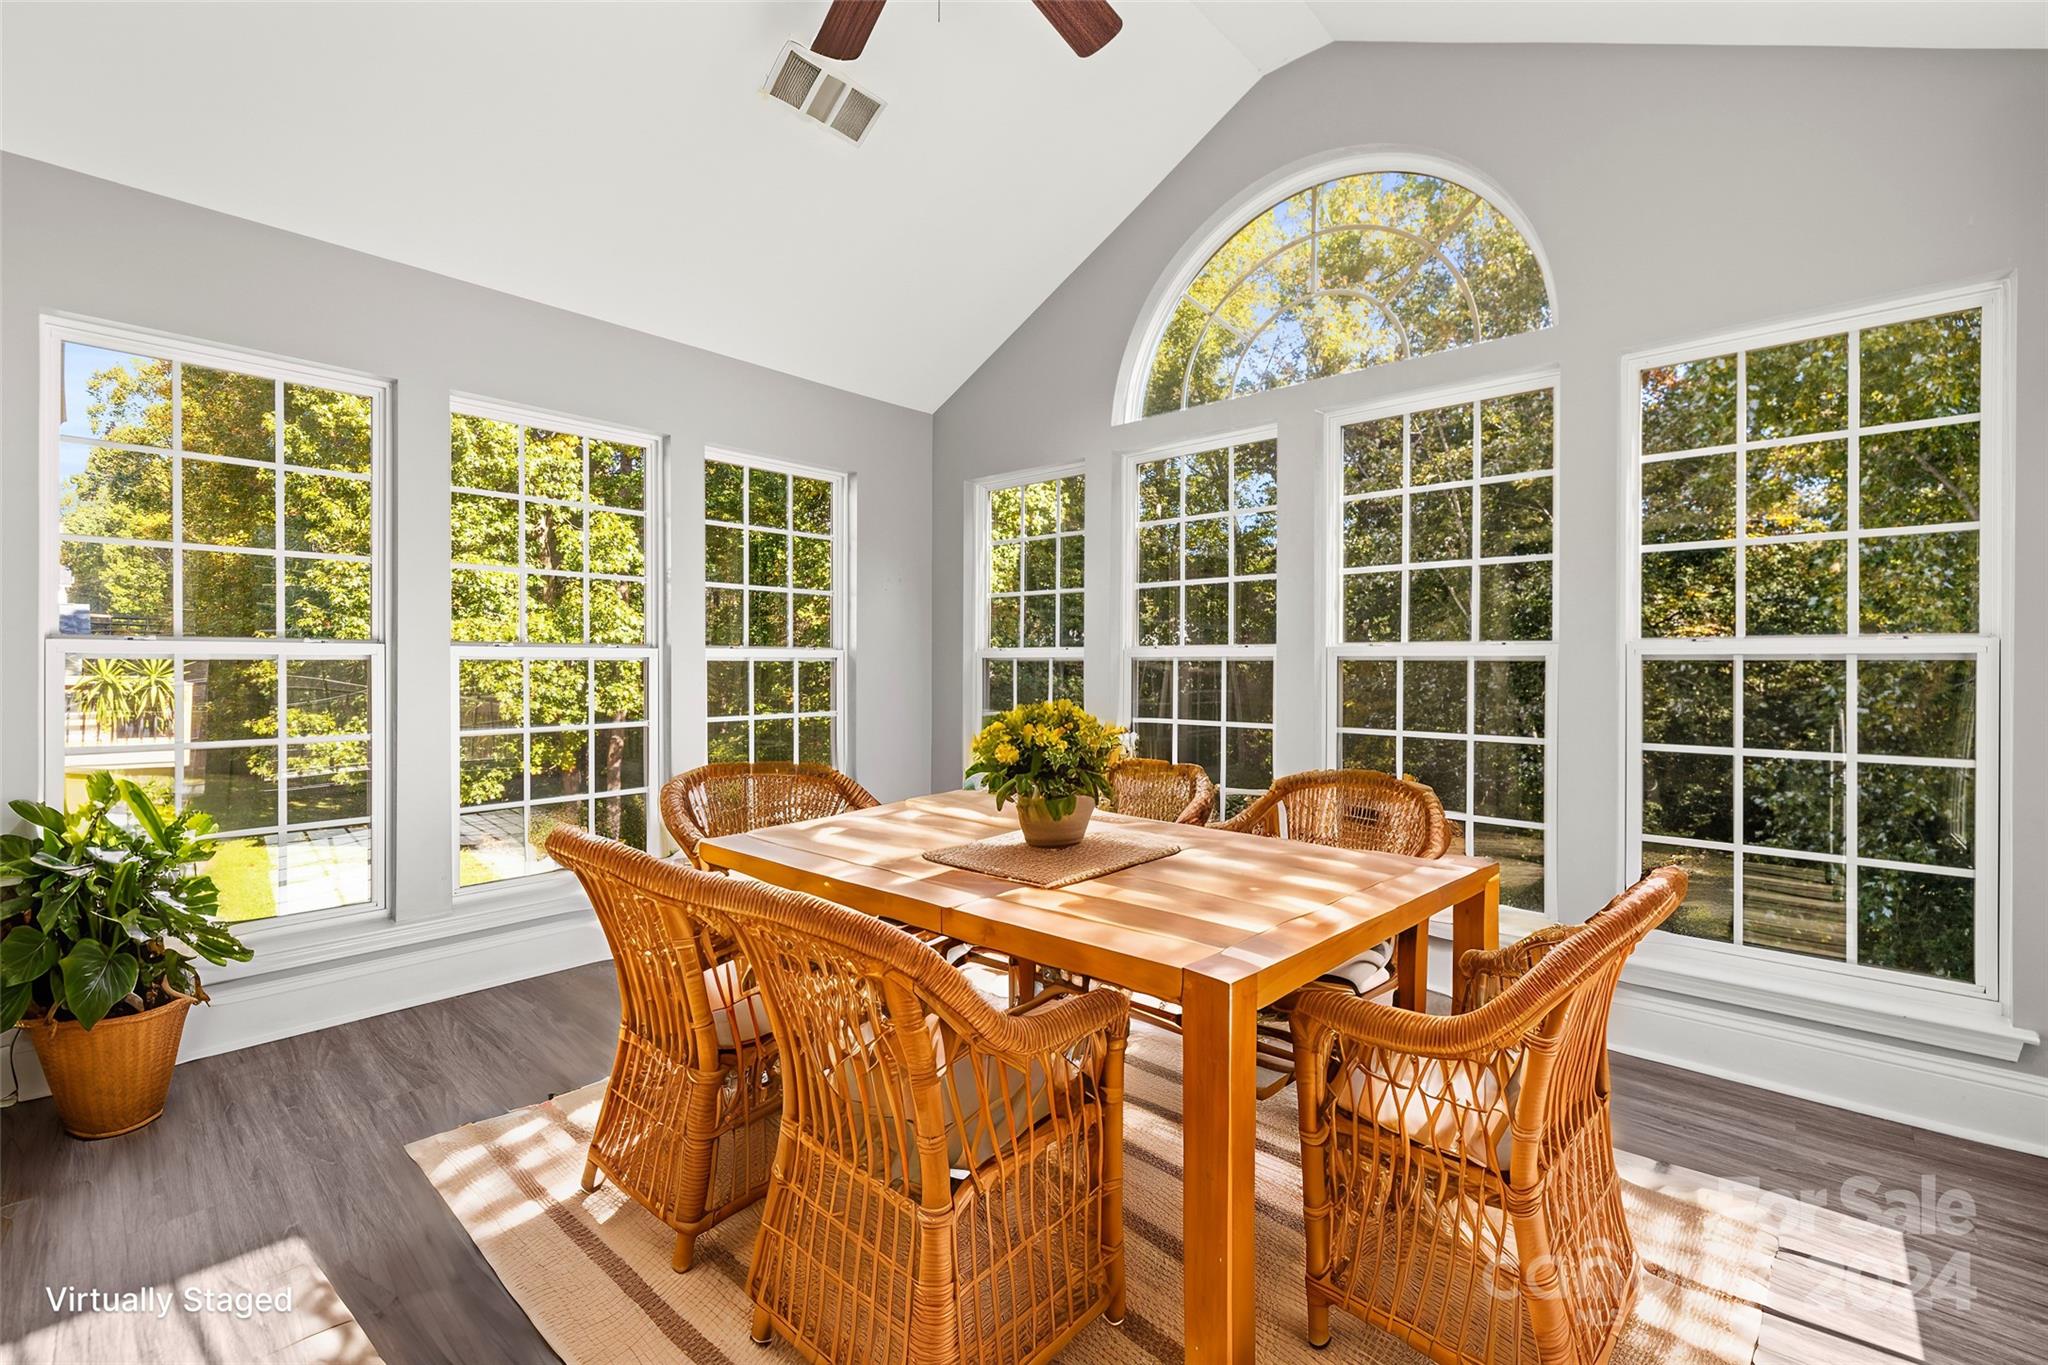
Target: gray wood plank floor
{"points": [[306, 1137]]}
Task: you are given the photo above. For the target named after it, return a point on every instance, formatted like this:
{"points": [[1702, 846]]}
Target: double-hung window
{"points": [[774, 612], [552, 576], [1030, 610], [1204, 554], [1813, 713], [1442, 523], [214, 603]]}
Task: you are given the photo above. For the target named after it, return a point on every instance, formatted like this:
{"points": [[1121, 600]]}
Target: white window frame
{"points": [[55, 331], [654, 651], [1950, 1013], [1127, 589], [1128, 403], [980, 492], [1330, 609], [840, 653]]}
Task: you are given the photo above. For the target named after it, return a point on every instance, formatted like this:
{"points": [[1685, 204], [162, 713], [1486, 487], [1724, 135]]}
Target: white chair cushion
{"points": [[1449, 1107], [738, 1014], [1365, 973]]}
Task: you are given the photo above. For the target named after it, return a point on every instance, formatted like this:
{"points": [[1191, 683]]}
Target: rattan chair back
{"points": [[1350, 808], [1459, 1186], [1154, 789], [692, 1107], [949, 1179], [732, 798]]}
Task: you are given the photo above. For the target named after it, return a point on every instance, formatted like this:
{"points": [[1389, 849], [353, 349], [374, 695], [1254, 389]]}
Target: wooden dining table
{"points": [[1226, 926]]}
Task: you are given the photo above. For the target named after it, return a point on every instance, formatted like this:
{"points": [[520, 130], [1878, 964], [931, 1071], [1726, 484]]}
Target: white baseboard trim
{"points": [[1941, 1093], [263, 1009], [1944, 1094]]}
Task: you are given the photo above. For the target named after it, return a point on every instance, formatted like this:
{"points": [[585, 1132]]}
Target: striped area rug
{"points": [[592, 1269]]}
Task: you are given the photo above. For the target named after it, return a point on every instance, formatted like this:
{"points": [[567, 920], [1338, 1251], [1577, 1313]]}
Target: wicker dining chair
{"points": [[1154, 789], [949, 1179], [691, 1111], [1352, 808], [1458, 1177], [732, 798]]}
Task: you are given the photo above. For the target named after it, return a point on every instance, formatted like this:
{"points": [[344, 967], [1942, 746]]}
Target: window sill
{"points": [[1514, 924], [283, 946], [1954, 1023]]}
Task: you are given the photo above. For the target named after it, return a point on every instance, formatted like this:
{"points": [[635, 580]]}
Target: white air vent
{"points": [[856, 112], [798, 79]]}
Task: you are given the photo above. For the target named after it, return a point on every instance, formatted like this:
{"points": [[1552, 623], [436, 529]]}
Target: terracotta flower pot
{"points": [[113, 1079], [1042, 831]]}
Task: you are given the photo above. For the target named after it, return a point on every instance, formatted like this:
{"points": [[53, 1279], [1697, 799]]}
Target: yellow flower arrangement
{"points": [[1048, 750]]}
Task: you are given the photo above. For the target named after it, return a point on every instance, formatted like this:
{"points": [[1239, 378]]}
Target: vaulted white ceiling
{"points": [[619, 160]]}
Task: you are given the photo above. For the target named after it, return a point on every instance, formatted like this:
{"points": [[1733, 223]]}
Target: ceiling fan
{"points": [[1087, 25]]}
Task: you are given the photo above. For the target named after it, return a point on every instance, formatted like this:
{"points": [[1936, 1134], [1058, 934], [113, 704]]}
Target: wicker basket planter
{"points": [[113, 1079]]}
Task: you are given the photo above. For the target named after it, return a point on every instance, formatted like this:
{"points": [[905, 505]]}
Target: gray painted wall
{"points": [[1676, 192], [73, 244]]}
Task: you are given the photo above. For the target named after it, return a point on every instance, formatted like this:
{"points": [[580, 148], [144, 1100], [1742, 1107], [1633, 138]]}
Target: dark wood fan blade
{"points": [[1087, 25], [844, 34]]}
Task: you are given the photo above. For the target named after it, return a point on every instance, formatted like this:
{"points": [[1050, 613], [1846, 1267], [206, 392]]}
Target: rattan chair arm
{"points": [[675, 813], [1452, 1037], [1486, 972], [1201, 805], [1507, 1018], [857, 796], [1023, 1037], [1262, 816]]}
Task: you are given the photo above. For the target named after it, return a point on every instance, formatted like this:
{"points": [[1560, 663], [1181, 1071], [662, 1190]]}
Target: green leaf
{"points": [[95, 977], [36, 813], [145, 810], [25, 954], [121, 890], [14, 1002]]}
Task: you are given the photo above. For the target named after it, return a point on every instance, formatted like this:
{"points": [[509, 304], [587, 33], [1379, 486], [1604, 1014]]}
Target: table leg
{"points": [[1475, 923], [1219, 1096], [1023, 981], [1411, 967]]}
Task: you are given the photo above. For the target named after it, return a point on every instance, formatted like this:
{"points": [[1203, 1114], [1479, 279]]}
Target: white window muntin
{"points": [[522, 418], [1127, 555], [840, 652], [1227, 221], [1993, 872], [1985, 655], [649, 726], [1330, 529], [1128, 585], [179, 648], [980, 550], [651, 650], [58, 751], [1994, 479], [56, 331]]}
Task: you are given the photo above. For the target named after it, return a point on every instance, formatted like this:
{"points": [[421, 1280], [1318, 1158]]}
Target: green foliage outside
{"points": [[240, 446], [1356, 272], [1797, 395]]}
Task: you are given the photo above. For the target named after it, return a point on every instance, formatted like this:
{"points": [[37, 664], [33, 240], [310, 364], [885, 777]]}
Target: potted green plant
{"points": [[102, 920], [1053, 759]]}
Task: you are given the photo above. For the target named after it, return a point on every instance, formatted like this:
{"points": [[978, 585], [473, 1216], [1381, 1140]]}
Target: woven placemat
{"points": [[1009, 857]]}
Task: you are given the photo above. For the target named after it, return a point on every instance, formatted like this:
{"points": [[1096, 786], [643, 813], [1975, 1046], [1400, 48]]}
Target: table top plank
{"points": [[1226, 906]]}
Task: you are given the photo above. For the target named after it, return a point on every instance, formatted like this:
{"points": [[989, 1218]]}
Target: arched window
{"points": [[1352, 272]]}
